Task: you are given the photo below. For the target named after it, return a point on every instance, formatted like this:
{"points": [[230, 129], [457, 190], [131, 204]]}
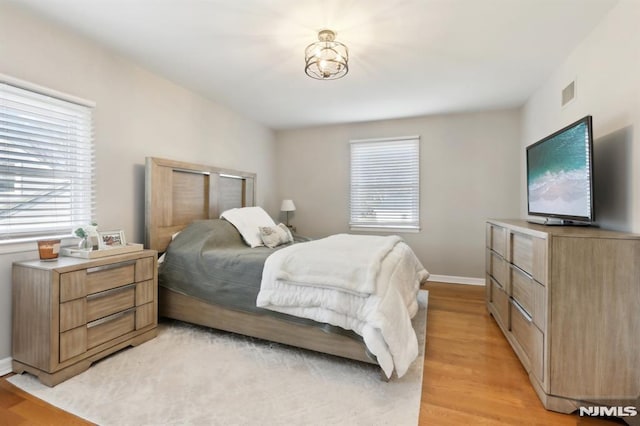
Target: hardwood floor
{"points": [[471, 375], [20, 408]]}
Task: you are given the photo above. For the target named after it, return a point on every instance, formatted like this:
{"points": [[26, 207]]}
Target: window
{"points": [[46, 164], [385, 183]]}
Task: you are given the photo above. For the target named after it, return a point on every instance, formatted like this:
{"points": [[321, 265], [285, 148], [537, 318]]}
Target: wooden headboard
{"points": [[177, 193]]}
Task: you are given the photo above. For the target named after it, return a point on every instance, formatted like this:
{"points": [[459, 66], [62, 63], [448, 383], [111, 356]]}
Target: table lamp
{"points": [[287, 206]]}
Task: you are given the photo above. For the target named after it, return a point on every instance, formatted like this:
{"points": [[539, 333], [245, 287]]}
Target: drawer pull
{"points": [[521, 271], [497, 254], [110, 318], [112, 266], [524, 313], [110, 292]]}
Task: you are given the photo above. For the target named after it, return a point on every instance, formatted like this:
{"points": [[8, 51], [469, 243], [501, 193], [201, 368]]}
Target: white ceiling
{"points": [[407, 58]]}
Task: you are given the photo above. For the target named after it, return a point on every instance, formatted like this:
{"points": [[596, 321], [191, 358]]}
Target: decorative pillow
{"points": [[247, 221], [288, 231], [273, 236]]}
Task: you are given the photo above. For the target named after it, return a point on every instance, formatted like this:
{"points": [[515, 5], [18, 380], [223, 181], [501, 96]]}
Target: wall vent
{"points": [[568, 93]]}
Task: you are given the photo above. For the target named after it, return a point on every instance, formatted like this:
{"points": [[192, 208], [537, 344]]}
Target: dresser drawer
{"points": [[74, 285], [522, 252], [498, 268], [500, 301], [529, 338], [529, 294], [529, 254], [497, 239]]}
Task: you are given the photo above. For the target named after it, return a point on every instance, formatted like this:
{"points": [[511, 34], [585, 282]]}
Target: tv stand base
{"points": [[551, 221]]}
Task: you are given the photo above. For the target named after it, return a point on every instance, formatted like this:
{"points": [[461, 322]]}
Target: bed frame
{"points": [[178, 193]]}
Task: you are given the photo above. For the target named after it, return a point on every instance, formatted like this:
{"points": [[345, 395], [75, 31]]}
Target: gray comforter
{"points": [[208, 260]]}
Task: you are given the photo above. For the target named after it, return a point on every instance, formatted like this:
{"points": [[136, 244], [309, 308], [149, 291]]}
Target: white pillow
{"points": [[248, 221], [273, 236], [173, 237]]}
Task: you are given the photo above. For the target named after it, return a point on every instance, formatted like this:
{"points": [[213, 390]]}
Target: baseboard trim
{"points": [[456, 280], [5, 366]]}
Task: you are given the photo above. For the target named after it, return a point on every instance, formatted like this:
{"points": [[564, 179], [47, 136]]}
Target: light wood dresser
{"points": [[568, 301], [72, 312]]}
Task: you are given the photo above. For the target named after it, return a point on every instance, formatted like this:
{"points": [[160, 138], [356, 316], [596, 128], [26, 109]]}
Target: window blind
{"points": [[46, 165], [385, 183]]}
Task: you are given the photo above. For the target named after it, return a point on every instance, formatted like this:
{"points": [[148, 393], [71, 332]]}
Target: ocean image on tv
{"points": [[558, 174]]}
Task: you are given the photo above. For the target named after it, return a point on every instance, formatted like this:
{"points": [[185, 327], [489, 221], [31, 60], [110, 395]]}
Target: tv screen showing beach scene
{"points": [[559, 173]]}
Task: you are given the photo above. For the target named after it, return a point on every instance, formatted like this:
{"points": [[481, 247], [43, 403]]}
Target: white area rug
{"points": [[191, 375]]}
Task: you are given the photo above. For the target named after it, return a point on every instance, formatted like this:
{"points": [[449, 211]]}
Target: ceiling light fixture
{"points": [[326, 59]]}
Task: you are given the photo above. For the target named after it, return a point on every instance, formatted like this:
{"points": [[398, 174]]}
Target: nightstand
{"points": [[301, 238], [72, 312]]}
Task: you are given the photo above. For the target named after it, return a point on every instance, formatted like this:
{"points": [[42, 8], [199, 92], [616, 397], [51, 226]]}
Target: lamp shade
{"points": [[287, 206]]}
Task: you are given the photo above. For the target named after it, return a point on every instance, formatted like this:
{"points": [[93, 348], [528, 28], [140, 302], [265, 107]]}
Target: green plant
{"points": [[86, 230]]}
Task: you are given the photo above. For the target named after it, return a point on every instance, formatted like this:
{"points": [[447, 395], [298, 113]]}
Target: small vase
{"points": [[85, 244]]}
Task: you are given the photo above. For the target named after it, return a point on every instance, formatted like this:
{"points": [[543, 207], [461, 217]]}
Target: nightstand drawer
{"points": [[79, 312], [79, 340], [145, 315], [74, 285], [110, 327], [95, 306], [144, 292], [100, 305], [145, 268]]}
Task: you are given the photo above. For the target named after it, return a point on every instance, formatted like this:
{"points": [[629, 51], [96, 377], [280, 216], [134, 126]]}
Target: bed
{"points": [[189, 196]]}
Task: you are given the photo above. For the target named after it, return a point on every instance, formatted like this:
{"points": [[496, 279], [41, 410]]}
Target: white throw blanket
{"points": [[343, 262], [363, 283]]}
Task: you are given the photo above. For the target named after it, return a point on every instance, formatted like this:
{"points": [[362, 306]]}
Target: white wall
{"points": [[469, 172], [606, 68], [138, 114]]}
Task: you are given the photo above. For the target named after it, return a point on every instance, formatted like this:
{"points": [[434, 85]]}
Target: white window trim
{"points": [[30, 244], [399, 138], [45, 91]]}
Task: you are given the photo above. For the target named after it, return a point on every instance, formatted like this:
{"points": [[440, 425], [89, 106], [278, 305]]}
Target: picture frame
{"points": [[111, 239]]}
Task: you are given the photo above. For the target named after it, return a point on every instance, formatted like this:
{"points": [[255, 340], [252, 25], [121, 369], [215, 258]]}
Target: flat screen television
{"points": [[560, 175]]}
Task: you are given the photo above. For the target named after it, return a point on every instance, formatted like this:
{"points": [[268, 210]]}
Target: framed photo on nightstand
{"points": [[111, 239]]}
